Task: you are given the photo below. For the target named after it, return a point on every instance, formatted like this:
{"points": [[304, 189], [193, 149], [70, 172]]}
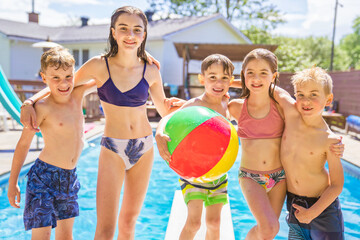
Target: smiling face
{"points": [[258, 76], [215, 80], [59, 80], [311, 98], [128, 31]]}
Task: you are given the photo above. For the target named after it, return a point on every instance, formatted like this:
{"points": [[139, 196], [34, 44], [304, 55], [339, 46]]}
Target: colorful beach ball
{"points": [[203, 145]]}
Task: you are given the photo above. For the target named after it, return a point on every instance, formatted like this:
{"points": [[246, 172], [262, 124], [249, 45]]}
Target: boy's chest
{"points": [[305, 144], [67, 118]]}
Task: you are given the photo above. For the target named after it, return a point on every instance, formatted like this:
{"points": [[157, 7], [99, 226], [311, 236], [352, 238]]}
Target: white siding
{"points": [[95, 49], [156, 49], [172, 65], [24, 60], [5, 54], [210, 32]]}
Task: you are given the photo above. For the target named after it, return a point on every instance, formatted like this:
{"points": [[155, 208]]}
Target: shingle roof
{"points": [[156, 29], [25, 30], [161, 28]]}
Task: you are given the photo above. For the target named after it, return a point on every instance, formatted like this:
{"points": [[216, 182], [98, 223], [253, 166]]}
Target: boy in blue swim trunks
{"points": [[312, 192], [216, 75], [52, 187]]}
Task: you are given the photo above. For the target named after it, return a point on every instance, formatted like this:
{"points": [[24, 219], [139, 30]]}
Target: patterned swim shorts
{"points": [[51, 194], [211, 193]]}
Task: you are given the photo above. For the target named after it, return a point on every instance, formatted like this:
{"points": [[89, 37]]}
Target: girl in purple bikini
{"points": [[124, 79]]}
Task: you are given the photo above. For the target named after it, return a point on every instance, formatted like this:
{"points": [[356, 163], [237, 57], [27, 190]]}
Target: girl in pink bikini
{"points": [[260, 127]]}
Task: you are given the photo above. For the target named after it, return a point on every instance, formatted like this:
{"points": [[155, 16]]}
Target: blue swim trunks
{"points": [[329, 225], [51, 194]]}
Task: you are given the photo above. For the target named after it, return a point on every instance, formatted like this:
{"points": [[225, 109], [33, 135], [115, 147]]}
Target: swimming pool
{"points": [[155, 213]]}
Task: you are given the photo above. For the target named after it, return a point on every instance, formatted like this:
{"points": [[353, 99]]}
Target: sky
{"points": [[304, 17]]}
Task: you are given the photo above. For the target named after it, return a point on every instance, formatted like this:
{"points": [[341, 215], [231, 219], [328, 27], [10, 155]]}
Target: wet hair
{"points": [[218, 59], [270, 58], [57, 57], [314, 74], [112, 44]]}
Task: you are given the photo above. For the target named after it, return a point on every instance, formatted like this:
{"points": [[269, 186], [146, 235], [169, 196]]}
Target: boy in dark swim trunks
{"points": [[312, 197], [52, 186]]}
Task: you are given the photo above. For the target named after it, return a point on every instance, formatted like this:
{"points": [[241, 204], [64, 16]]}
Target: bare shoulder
{"points": [[152, 73], [42, 108], [97, 61], [236, 104], [42, 105], [95, 68], [235, 107], [193, 102], [96, 64], [239, 101]]}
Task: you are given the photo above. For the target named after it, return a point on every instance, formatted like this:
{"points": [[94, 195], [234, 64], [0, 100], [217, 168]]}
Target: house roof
{"points": [[235, 52], [157, 30]]}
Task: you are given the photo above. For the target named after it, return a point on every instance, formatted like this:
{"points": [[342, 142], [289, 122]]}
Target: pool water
{"points": [[155, 213]]}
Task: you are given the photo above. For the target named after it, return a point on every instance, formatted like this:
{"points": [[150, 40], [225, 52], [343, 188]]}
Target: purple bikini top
{"points": [[134, 97]]}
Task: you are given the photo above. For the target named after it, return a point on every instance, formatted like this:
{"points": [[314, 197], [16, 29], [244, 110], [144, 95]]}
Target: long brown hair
{"points": [[270, 58], [113, 46]]}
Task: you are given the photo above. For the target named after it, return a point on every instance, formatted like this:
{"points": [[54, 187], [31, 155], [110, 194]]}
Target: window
{"points": [[85, 55], [76, 55]]}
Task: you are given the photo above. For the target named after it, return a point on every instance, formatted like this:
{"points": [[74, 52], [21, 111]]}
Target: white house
{"points": [[20, 60]]}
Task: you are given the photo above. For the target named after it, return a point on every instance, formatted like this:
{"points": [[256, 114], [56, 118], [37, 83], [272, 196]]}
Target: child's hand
{"points": [[28, 117], [303, 214], [152, 60], [161, 141], [338, 148], [14, 196], [174, 102]]}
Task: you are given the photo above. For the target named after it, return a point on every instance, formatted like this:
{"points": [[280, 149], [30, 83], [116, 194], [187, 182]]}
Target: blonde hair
{"points": [[314, 74], [57, 57]]}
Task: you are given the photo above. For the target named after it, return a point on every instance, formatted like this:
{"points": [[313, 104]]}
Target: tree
{"points": [[295, 54], [242, 13], [350, 45]]}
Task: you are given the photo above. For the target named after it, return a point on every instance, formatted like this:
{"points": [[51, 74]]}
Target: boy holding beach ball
{"points": [[216, 75]]}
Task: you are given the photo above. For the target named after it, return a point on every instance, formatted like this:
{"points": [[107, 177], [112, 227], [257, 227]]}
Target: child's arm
{"points": [[162, 139], [236, 83], [21, 150], [86, 88], [20, 154], [338, 147], [27, 113], [157, 93], [282, 96], [235, 107], [334, 189]]}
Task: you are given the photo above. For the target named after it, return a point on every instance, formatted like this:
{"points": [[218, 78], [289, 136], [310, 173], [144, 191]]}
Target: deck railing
{"points": [[26, 88]]}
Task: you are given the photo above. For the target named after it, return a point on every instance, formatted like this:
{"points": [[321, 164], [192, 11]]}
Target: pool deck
{"points": [[9, 139]]}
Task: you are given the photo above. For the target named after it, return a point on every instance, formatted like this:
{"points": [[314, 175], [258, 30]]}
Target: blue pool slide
{"points": [[9, 99]]}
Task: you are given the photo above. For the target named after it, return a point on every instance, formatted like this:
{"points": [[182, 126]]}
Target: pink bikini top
{"points": [[271, 126]]}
